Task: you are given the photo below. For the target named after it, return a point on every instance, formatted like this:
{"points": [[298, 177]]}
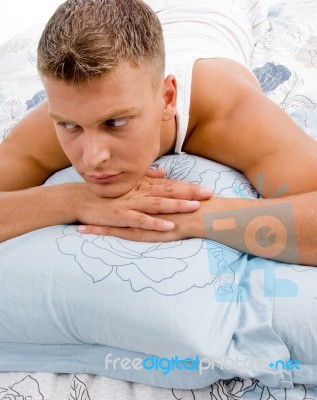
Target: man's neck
{"points": [[168, 136]]}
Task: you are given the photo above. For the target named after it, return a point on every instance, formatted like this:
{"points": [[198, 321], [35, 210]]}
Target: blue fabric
{"points": [[68, 300]]}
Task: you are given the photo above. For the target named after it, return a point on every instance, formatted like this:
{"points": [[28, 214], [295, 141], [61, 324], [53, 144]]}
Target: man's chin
{"points": [[109, 190]]}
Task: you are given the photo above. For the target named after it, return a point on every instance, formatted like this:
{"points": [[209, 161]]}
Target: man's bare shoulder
{"points": [[237, 125], [31, 152], [217, 86]]}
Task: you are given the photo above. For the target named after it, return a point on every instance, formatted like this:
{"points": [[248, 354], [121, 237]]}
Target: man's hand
{"points": [[136, 209], [185, 226], [70, 203], [189, 225]]}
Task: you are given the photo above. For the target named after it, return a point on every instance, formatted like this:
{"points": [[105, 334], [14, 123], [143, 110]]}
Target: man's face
{"points": [[110, 129]]}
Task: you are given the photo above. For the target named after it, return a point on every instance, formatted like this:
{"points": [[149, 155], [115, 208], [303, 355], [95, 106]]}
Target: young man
{"points": [[111, 112]]}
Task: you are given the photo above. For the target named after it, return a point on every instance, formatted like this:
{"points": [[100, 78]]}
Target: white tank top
{"points": [[196, 29]]}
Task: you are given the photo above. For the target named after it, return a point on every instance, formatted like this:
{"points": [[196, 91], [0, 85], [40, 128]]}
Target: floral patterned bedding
{"points": [[34, 386], [284, 62]]}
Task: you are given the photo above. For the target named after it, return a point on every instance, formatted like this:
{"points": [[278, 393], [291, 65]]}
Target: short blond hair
{"points": [[85, 39]]}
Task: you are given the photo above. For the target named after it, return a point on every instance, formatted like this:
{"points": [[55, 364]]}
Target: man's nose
{"points": [[96, 150]]}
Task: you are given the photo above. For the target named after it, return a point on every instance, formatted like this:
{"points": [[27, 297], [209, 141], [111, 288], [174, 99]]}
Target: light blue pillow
{"points": [[74, 303]]}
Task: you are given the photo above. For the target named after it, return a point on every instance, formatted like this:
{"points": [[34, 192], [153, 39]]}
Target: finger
{"points": [[156, 172], [136, 219], [135, 234], [174, 189], [161, 205]]}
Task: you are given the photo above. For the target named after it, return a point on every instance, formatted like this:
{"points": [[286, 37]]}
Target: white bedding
{"points": [[42, 386], [285, 62]]}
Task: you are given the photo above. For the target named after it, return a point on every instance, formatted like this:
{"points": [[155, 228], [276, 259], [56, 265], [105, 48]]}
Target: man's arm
{"points": [[282, 229], [25, 210], [237, 125], [28, 156]]}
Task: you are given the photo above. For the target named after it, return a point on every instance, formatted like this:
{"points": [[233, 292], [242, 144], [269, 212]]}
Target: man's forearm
{"points": [[27, 210], [283, 229]]}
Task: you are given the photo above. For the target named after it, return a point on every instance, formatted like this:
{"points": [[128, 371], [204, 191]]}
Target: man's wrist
{"points": [[262, 227], [72, 195]]}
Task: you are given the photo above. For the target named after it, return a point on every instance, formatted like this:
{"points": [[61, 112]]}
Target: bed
{"points": [[271, 316]]}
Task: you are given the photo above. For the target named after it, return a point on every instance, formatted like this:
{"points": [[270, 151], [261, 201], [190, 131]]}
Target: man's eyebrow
{"points": [[59, 118], [106, 117]]}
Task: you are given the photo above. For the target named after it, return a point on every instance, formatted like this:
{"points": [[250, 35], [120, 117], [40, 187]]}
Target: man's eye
{"points": [[116, 123], [67, 125]]}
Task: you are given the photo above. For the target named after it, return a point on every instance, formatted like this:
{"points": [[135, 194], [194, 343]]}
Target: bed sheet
{"points": [[42, 386], [285, 62]]}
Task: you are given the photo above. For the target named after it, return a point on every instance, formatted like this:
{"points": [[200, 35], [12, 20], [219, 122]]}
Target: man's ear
{"points": [[169, 95]]}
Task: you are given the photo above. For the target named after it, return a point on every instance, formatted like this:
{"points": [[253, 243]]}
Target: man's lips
{"points": [[101, 178]]}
